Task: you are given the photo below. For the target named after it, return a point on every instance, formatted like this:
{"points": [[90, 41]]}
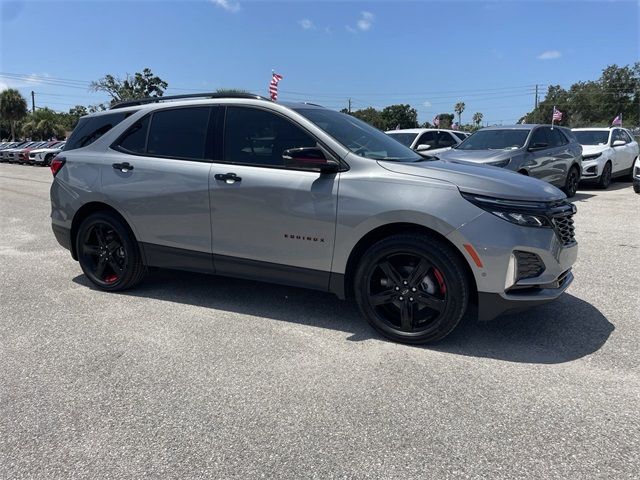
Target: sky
{"points": [[429, 54]]}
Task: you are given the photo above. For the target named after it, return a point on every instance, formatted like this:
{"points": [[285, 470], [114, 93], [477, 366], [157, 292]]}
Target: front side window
{"points": [[556, 138], [257, 137], [429, 138], [179, 133], [539, 138], [625, 135], [89, 129], [359, 137], [445, 139]]}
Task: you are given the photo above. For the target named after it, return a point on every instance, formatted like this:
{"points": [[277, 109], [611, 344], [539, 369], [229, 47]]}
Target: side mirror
{"points": [[538, 146], [422, 147], [618, 143], [311, 159]]}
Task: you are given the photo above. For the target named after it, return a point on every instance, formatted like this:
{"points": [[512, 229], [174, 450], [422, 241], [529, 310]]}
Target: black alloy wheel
{"points": [[571, 183], [412, 288], [605, 177], [107, 252]]}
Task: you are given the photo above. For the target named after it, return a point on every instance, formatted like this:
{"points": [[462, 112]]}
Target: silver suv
{"points": [[305, 196]]}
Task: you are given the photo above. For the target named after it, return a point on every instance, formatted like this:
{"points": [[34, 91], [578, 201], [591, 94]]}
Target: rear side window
{"points": [[179, 133], [135, 139], [89, 129]]}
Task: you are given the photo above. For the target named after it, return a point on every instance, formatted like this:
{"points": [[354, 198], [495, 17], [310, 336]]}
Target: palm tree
{"points": [[477, 118], [459, 108], [13, 107]]}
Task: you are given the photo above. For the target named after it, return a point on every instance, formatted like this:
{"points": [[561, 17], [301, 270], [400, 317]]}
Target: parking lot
{"points": [[191, 376]]}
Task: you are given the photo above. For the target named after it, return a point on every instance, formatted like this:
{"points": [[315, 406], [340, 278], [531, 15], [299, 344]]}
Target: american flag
{"points": [[273, 86], [436, 121], [618, 120], [557, 114]]}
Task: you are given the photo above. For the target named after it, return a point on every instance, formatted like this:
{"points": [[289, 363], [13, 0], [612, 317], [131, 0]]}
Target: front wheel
{"points": [[411, 288], [108, 254], [571, 183], [605, 177]]}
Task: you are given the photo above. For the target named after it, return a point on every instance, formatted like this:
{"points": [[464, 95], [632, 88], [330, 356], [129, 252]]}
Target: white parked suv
{"points": [[606, 153], [428, 141]]}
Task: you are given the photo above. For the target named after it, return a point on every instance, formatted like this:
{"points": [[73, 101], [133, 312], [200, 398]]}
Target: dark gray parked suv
{"points": [[552, 154], [305, 196]]}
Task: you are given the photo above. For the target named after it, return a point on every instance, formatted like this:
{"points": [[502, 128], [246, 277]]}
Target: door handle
{"points": [[123, 167], [227, 177]]}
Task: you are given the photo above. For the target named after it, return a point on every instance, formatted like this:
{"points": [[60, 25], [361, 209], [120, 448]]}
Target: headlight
{"points": [[526, 214], [591, 157], [500, 163]]}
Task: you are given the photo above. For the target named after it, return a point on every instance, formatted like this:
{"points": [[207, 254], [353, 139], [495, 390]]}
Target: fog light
{"points": [[512, 271]]}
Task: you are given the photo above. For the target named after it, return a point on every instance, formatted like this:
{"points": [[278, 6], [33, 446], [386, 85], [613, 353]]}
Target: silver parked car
{"points": [[301, 195], [552, 154]]}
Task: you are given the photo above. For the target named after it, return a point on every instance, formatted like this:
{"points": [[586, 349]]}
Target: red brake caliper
{"points": [[440, 278], [111, 278]]}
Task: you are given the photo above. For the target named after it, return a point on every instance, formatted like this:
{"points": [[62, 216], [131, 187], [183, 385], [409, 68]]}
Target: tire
{"points": [[411, 288], [108, 253], [605, 177], [571, 182]]}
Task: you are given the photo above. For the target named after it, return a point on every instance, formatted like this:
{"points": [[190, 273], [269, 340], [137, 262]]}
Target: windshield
{"points": [[404, 138], [359, 137], [506, 139], [592, 137]]}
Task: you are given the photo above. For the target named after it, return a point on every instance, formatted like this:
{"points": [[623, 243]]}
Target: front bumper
{"points": [[592, 169], [495, 240]]}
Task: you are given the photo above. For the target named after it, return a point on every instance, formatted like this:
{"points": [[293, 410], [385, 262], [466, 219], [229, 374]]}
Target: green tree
{"points": [[43, 124], [402, 116], [138, 85], [477, 118], [459, 108], [370, 115], [13, 108]]}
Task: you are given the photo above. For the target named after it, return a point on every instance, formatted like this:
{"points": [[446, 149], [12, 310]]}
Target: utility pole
{"points": [[33, 101], [349, 106], [535, 108]]}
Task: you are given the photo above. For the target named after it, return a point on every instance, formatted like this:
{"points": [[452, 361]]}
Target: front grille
{"points": [[530, 265], [563, 225]]}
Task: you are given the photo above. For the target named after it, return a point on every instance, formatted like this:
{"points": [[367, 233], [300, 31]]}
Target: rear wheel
{"points": [[411, 288], [108, 254], [605, 177], [571, 182]]}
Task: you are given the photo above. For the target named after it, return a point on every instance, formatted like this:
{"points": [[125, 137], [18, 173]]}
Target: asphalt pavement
{"points": [[194, 376]]}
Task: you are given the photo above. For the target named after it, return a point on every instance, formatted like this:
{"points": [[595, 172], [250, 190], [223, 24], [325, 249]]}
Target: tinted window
{"points": [[619, 135], [135, 139], [445, 140], [89, 129], [460, 135], [539, 138], [429, 138], [359, 137], [556, 138], [496, 139], [179, 133], [258, 137], [404, 138], [625, 135]]}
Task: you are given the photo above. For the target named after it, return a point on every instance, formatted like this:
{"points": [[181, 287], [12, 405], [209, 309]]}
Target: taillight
{"points": [[56, 164]]}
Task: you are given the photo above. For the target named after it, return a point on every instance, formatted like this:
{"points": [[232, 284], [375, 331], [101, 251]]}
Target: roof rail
{"points": [[143, 101]]}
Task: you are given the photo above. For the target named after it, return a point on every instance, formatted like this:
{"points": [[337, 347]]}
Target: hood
{"points": [[481, 180], [477, 156], [593, 149]]}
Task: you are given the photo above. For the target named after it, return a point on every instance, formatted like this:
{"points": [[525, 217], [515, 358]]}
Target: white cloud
{"points": [[365, 21], [3, 86], [363, 24], [229, 5], [549, 55], [307, 24], [427, 104]]}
